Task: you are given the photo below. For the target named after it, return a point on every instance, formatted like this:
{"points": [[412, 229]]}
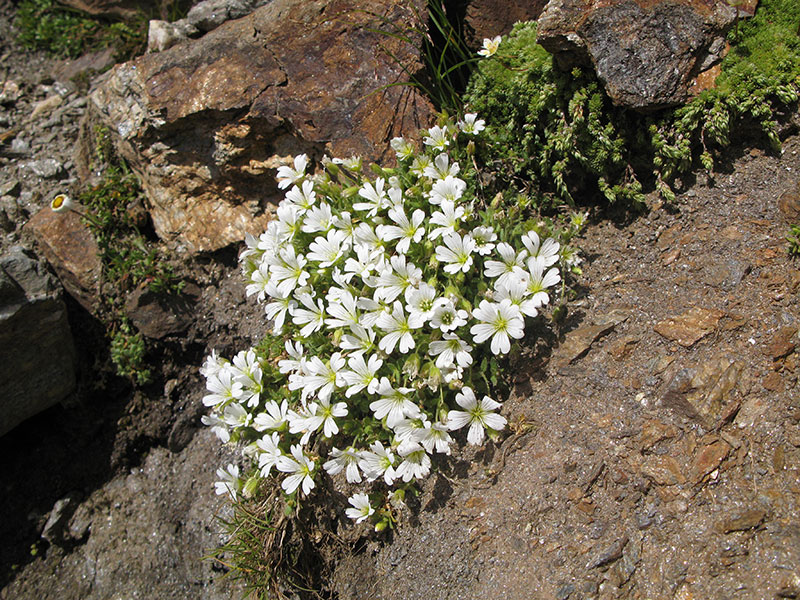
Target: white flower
{"points": [[323, 376], [395, 279], [398, 328], [441, 168], [484, 239], [447, 218], [402, 147], [319, 218], [490, 46], [420, 163], [346, 460], [456, 253], [450, 188], [353, 163], [546, 254], [362, 375], [451, 350], [374, 195], [446, 317], [377, 462], [416, 462], [437, 138], [236, 416], [229, 481], [327, 250], [289, 271], [312, 317], [274, 417], [421, 301], [270, 453], [515, 291], [510, 267], [259, 279], [361, 507], [277, 309], [394, 404], [471, 124], [406, 231], [301, 468], [536, 282], [361, 339], [478, 415], [343, 311], [324, 413], [223, 388], [218, 427], [302, 198], [296, 360], [435, 437], [288, 175], [498, 321], [61, 203], [212, 365]]}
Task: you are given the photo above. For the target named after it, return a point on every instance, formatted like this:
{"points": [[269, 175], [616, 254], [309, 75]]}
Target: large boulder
{"points": [[207, 122], [488, 18], [37, 369], [646, 52]]}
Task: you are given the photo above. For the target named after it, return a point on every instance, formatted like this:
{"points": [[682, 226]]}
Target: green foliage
{"points": [[560, 134], [128, 258], [128, 354], [65, 32], [794, 240]]}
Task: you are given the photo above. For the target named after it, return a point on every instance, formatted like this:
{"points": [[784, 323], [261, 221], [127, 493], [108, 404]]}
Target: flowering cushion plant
{"points": [[390, 300]]}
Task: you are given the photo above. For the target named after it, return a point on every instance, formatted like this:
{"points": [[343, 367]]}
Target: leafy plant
{"points": [[557, 133], [63, 31], [128, 353], [794, 240]]}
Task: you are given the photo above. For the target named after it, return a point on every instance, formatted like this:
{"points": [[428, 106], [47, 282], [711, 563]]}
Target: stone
{"points": [[119, 9], [742, 521], [646, 53], [163, 34], [158, 315], [578, 341], [789, 204], [84, 66], [782, 343], [609, 554], [488, 18], [46, 168], [701, 392], [10, 93], [662, 470], [206, 123], [38, 366], [67, 244], [691, 326], [707, 459], [55, 529]]}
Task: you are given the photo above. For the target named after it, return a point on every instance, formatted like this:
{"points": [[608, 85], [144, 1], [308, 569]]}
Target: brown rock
{"points": [[580, 340], [708, 459], [662, 470], [207, 122], [65, 241], [789, 204], [742, 521], [123, 9], [646, 53], [656, 431], [782, 343], [159, 315], [488, 18], [773, 382], [691, 326]]}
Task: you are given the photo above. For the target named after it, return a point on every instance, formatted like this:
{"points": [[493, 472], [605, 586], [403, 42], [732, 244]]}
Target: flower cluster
{"points": [[391, 298]]}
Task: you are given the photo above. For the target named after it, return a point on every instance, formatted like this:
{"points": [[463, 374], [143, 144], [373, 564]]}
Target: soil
{"points": [[653, 449]]}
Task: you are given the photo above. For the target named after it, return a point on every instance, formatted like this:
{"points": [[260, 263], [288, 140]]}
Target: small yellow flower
{"points": [[490, 46], [61, 203]]}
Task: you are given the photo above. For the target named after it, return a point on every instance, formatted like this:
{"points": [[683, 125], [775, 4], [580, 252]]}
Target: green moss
{"points": [[559, 134], [65, 32]]}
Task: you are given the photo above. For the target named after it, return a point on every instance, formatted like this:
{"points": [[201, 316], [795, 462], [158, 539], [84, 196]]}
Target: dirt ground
{"points": [[653, 449], [656, 452]]}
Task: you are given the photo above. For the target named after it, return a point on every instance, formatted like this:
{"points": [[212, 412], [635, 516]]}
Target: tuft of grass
{"points": [[558, 132], [794, 240], [128, 354], [64, 32]]}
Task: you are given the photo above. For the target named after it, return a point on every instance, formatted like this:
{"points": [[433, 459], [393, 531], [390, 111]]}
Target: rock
{"points": [[163, 34], [789, 204], [700, 393], [206, 123], [742, 522], [782, 343], [608, 554], [646, 53], [38, 366], [708, 459], [46, 168], [10, 93], [656, 431], [488, 18], [120, 9], [54, 529], [69, 247], [84, 66], [45, 106], [691, 326], [580, 340], [159, 315], [662, 470]]}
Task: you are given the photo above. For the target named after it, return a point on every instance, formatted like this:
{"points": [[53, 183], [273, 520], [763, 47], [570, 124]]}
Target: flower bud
{"points": [[381, 525], [470, 148], [251, 485]]}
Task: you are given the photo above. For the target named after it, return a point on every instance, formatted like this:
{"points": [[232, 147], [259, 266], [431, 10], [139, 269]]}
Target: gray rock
{"points": [[55, 528], [647, 55], [47, 168], [37, 365], [19, 147]]}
